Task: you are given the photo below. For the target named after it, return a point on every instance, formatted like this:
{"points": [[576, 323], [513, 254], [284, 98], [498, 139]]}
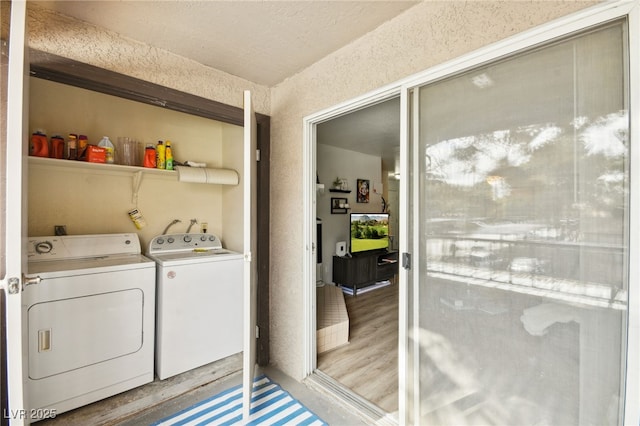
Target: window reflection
{"points": [[521, 215], [523, 223]]}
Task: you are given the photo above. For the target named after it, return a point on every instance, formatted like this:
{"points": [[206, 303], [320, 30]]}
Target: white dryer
{"points": [[89, 323], [199, 301]]}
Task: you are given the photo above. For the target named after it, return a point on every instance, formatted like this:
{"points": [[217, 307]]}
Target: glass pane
{"points": [[523, 224]]}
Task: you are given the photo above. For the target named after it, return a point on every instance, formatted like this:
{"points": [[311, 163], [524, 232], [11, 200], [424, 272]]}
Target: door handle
{"points": [[30, 280]]}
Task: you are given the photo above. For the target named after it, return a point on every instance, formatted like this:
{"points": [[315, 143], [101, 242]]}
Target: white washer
{"points": [[199, 301], [89, 323]]}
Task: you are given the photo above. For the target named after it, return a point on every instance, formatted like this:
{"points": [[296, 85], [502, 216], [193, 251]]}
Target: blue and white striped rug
{"points": [[270, 405]]}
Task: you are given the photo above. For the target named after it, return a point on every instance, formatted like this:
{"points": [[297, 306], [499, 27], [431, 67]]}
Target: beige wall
{"points": [[426, 35], [92, 201], [333, 162]]}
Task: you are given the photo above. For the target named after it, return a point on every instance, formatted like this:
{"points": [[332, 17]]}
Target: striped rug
{"points": [[270, 405]]}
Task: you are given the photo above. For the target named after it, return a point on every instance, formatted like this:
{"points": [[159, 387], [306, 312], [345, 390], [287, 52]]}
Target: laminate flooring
{"points": [[368, 364]]}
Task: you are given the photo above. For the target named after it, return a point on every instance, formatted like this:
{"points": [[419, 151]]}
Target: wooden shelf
{"points": [[344, 191]]}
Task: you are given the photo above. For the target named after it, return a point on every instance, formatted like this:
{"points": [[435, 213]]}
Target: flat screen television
{"points": [[369, 231]]}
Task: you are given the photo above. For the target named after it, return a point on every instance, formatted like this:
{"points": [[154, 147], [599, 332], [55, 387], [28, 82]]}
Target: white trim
{"points": [[308, 260], [632, 391], [404, 406], [525, 40], [15, 226], [309, 148]]}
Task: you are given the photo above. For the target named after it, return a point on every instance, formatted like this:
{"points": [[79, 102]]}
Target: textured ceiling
{"points": [[261, 41], [374, 130]]}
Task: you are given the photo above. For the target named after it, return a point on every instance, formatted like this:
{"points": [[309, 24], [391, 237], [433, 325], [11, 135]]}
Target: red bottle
{"points": [[150, 156], [39, 146], [57, 147]]}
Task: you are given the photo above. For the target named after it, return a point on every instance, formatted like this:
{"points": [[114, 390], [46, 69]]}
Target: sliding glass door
{"points": [[521, 180]]}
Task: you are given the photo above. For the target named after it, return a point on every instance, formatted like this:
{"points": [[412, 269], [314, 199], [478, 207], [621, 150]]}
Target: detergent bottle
{"points": [[106, 143], [57, 147], [160, 155], [39, 146], [168, 156]]}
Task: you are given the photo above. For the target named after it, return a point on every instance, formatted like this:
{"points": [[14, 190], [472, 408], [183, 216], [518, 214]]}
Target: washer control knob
{"points": [[212, 238], [187, 239], [170, 240], [203, 238], [160, 241]]}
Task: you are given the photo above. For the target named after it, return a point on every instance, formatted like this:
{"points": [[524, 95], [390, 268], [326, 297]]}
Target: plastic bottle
{"points": [[83, 141], [150, 157], [39, 146], [168, 156], [72, 147], [160, 155], [106, 143], [57, 147]]}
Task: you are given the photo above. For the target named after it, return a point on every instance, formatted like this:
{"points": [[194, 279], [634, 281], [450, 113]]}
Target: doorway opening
{"points": [[357, 178]]}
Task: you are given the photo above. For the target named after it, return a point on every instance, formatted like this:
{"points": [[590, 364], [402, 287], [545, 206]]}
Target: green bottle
{"points": [[168, 154]]}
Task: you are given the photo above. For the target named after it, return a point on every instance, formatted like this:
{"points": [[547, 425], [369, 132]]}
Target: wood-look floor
{"points": [[368, 364]]}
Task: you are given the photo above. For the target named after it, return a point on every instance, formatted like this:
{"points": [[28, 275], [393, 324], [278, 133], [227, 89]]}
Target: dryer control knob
{"points": [[203, 238], [160, 241], [212, 238], [170, 240], [43, 247], [187, 239]]}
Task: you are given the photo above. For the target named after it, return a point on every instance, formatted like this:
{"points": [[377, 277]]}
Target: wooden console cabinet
{"points": [[364, 269]]}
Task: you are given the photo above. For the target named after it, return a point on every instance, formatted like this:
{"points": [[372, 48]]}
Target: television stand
{"points": [[364, 269]]}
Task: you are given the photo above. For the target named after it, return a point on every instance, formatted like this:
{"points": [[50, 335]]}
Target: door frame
{"points": [[309, 222], [592, 16]]}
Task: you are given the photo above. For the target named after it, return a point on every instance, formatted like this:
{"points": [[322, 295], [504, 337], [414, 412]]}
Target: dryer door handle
{"points": [[30, 280]]}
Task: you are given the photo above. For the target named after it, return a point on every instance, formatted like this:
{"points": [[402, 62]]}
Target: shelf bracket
{"points": [[137, 181]]}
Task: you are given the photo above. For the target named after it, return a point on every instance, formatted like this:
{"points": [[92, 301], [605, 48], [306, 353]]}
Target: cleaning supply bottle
{"points": [[39, 146], [168, 156], [150, 157], [106, 143], [83, 141], [57, 147], [160, 156], [72, 147]]}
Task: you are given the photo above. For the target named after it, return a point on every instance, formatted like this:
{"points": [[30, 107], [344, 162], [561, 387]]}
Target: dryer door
{"points": [[73, 333]]}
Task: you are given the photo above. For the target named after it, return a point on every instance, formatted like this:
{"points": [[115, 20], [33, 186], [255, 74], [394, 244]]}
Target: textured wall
{"points": [[426, 35], [74, 39]]}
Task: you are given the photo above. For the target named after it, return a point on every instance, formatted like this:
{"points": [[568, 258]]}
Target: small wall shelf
{"points": [[344, 191], [98, 167]]}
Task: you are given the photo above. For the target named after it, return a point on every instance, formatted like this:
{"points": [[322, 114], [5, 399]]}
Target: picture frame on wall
{"points": [[339, 205], [363, 191]]}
